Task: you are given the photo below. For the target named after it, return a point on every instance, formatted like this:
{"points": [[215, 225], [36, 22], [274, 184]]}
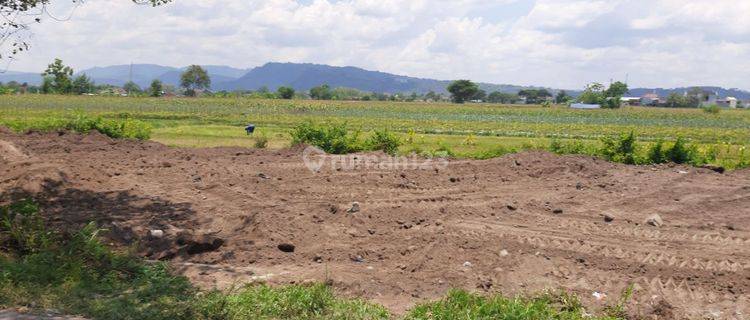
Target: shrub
{"points": [[384, 140], [261, 142], [712, 109], [679, 152], [332, 138], [656, 153], [622, 149]]}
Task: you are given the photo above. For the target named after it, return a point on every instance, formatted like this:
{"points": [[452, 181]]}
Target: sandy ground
{"points": [[521, 223]]}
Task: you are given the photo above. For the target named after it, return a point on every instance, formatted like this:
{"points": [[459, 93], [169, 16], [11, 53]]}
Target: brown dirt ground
{"points": [[481, 225]]}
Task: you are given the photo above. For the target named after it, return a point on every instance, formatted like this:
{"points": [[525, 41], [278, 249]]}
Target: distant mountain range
{"points": [[303, 76]]}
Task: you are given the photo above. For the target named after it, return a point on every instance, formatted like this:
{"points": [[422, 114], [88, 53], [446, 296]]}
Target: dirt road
{"points": [[520, 223]]}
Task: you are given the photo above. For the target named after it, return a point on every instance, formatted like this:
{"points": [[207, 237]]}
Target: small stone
{"points": [[318, 258], [467, 264], [504, 253], [608, 218], [263, 176], [355, 208], [654, 220], [579, 186], [156, 234], [454, 180], [557, 211], [286, 247], [511, 207]]}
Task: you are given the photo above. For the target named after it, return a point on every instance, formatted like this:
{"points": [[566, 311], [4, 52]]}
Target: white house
{"points": [[728, 102]]}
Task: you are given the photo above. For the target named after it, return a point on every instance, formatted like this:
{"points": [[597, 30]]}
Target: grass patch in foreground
{"points": [[76, 274], [461, 305]]}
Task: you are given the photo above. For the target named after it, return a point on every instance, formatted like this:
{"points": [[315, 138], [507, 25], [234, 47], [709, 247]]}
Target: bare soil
{"points": [[518, 224]]}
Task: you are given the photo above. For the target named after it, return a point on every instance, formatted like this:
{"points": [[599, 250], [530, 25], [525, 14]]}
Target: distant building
{"points": [[585, 106], [650, 99], [728, 102], [630, 101]]}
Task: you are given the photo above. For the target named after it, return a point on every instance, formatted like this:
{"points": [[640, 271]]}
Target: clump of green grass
{"points": [[291, 302], [462, 305], [261, 142]]}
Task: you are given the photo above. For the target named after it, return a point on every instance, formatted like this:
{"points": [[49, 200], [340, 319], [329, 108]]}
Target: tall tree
{"points": [[285, 92], [60, 77], [195, 78], [617, 89], [562, 97], [83, 84], [132, 88], [321, 92], [156, 89], [462, 90]]}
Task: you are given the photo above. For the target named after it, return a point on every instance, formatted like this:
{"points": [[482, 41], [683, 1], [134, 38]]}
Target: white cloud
{"points": [[559, 43]]}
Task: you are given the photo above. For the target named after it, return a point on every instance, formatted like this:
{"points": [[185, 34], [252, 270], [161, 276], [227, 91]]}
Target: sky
{"points": [[553, 43]]}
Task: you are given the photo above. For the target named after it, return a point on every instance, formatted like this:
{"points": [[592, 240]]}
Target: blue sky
{"points": [[556, 43]]}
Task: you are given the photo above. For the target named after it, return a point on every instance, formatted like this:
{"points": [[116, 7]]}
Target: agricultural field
{"points": [[470, 130], [191, 209]]}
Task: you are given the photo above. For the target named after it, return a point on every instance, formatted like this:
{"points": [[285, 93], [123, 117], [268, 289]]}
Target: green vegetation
{"points": [[462, 90], [193, 79], [422, 127], [80, 122], [461, 305], [77, 274]]}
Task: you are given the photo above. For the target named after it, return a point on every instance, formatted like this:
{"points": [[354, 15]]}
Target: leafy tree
{"points": [[195, 78], [462, 90], [534, 96], [156, 89], [131, 88], [617, 89], [321, 92], [60, 76], [481, 95], [562, 97], [83, 84], [432, 96], [593, 94], [285, 92], [500, 97]]}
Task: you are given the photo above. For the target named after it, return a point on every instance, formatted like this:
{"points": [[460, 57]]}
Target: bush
{"points": [[332, 138], [656, 153], [622, 149], [712, 109], [384, 140], [261, 142], [680, 152]]}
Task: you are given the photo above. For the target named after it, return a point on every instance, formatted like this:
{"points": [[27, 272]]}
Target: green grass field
{"points": [[470, 130]]}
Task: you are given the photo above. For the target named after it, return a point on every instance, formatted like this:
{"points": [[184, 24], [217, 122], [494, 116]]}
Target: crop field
{"points": [[526, 235], [470, 130]]}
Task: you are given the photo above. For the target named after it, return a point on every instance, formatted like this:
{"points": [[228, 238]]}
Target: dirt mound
{"points": [[520, 223], [9, 153]]}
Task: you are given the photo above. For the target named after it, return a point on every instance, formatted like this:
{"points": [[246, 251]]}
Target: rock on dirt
{"points": [[156, 234], [354, 208], [654, 220], [608, 217]]}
